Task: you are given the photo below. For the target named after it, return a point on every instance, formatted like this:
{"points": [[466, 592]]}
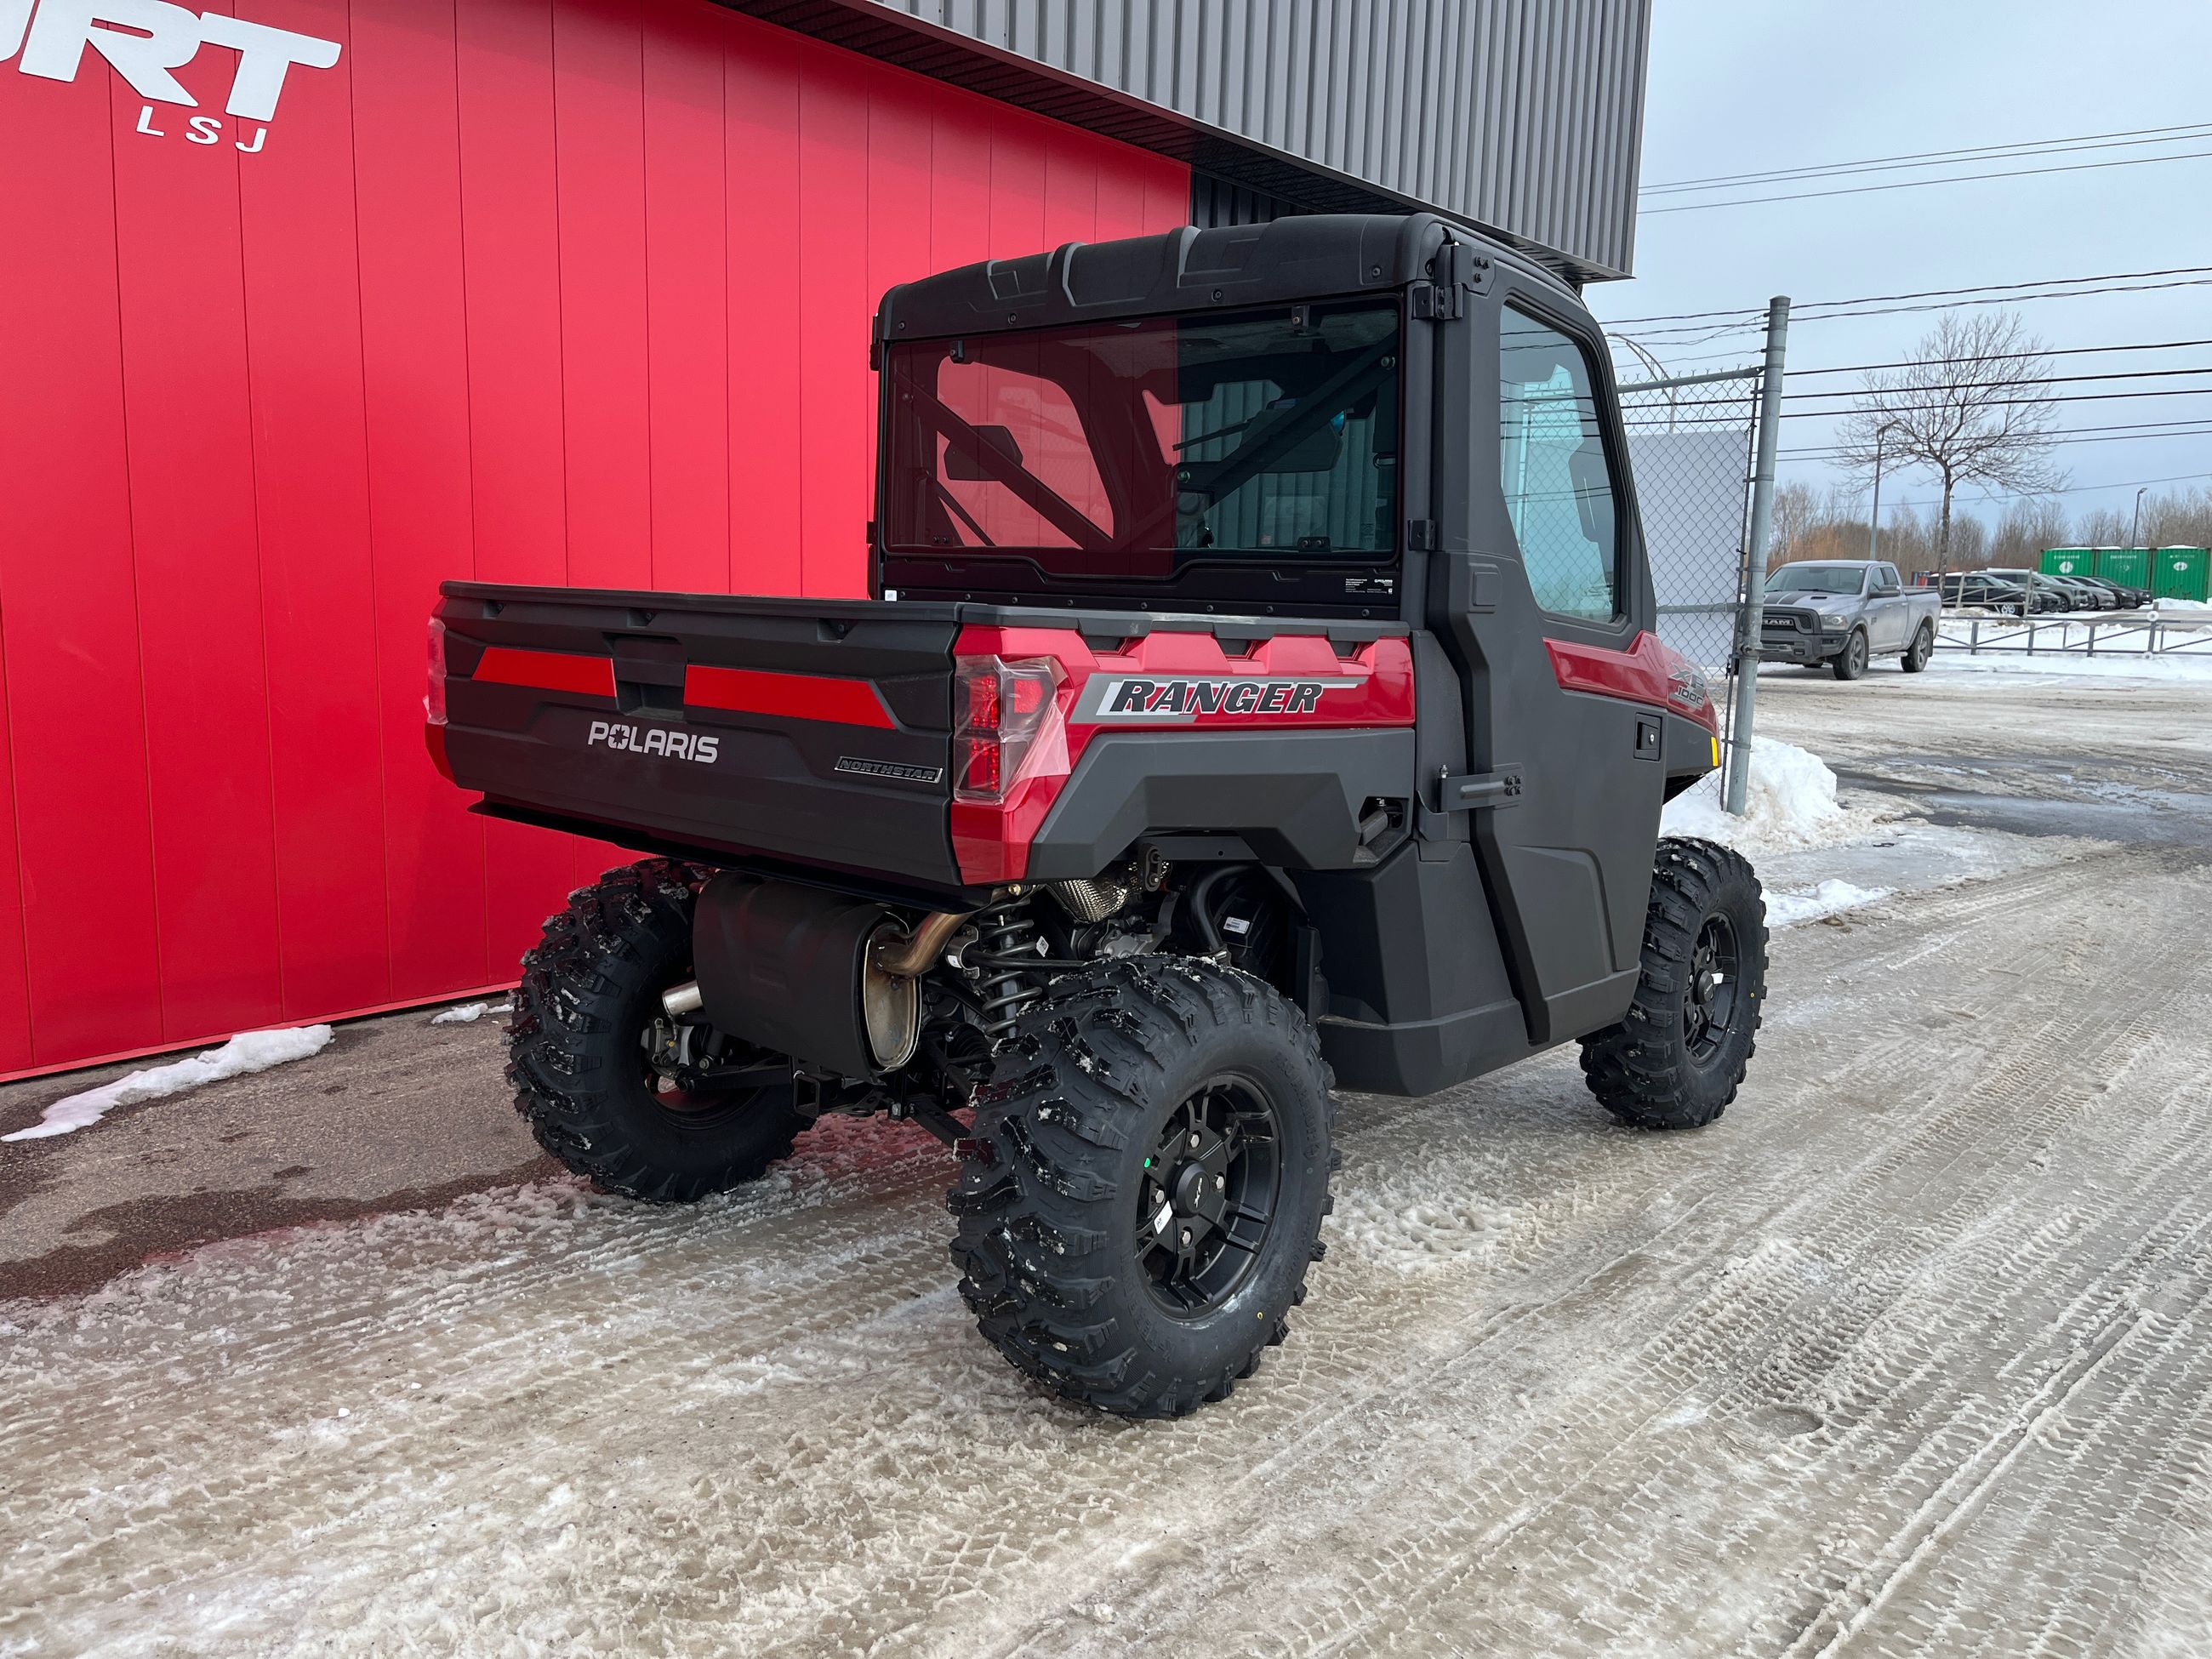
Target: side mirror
{"points": [[1887, 592], [962, 467]]}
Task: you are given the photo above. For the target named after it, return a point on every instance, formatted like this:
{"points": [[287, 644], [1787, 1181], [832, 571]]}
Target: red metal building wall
{"points": [[574, 293]]}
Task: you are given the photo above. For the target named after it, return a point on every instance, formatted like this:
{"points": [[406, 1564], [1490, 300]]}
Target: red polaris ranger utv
{"points": [[1258, 696]]}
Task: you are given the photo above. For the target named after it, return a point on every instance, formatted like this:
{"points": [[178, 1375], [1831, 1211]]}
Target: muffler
{"points": [[828, 979]]}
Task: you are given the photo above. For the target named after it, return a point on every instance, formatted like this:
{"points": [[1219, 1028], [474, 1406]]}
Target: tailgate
{"points": [[808, 731]]}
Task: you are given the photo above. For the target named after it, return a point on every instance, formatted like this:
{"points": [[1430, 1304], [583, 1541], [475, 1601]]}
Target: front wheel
{"points": [[1851, 661], [1922, 648], [606, 1086], [1676, 1062], [1143, 1191]]}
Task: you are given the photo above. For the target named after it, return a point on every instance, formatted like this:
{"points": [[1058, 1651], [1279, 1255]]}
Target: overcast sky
{"points": [[1740, 85]]}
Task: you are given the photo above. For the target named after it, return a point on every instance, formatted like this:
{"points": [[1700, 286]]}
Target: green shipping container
{"points": [[2127, 566], [2067, 561], [2178, 573]]}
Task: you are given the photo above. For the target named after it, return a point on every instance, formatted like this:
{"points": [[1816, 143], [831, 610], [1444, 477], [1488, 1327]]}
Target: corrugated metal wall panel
{"points": [[587, 301], [1525, 116]]}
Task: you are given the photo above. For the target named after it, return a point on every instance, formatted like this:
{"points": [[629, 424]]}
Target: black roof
{"points": [[1305, 256]]}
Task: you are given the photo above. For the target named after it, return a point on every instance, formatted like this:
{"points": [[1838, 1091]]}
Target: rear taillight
{"points": [[1008, 726], [434, 694]]}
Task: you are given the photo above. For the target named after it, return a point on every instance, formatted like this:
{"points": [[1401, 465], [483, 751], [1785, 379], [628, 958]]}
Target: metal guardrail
{"points": [[2076, 635]]}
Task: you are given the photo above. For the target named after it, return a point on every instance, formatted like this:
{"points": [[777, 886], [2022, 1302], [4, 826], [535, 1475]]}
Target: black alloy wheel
{"points": [[610, 1085], [1715, 989], [1141, 1196], [1212, 1184], [1677, 1059]]}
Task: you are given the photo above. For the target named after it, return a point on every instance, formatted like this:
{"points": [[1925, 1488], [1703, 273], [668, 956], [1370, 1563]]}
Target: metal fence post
{"points": [[1762, 518]]}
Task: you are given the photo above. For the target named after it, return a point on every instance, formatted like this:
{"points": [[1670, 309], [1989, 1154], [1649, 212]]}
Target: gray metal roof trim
{"points": [[947, 55]]}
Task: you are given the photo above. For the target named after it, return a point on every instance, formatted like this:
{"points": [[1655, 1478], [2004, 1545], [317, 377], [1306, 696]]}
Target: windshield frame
{"points": [[1360, 579]]}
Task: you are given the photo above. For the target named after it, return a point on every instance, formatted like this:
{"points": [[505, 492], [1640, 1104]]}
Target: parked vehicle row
{"points": [[2009, 591]]}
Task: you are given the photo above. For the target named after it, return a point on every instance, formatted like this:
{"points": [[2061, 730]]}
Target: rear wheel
{"points": [[1143, 1192], [1851, 661], [1676, 1060], [607, 1085], [1922, 648]]}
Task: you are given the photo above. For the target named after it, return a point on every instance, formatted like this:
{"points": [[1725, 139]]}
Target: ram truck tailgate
{"points": [[814, 733]]}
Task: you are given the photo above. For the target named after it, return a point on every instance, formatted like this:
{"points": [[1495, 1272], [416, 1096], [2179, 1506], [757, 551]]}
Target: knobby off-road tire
{"points": [[1676, 1060], [1922, 648], [1851, 661], [576, 1058], [1085, 1132]]}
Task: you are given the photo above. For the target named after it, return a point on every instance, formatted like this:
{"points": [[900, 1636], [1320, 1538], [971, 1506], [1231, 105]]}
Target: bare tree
{"points": [[1796, 510], [2027, 528], [2178, 518], [1974, 407]]}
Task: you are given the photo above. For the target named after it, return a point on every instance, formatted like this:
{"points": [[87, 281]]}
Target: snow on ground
{"points": [[468, 1013], [249, 1051], [2192, 665], [1790, 804], [1825, 898]]}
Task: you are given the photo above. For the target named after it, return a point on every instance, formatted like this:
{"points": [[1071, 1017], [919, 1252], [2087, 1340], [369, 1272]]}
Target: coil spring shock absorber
{"points": [[1005, 930]]}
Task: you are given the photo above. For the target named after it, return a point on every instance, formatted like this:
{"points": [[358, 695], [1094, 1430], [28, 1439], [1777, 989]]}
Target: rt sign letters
{"points": [[143, 40]]}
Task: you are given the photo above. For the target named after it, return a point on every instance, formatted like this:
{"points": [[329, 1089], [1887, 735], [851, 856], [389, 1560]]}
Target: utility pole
{"points": [[1873, 527], [1750, 621]]}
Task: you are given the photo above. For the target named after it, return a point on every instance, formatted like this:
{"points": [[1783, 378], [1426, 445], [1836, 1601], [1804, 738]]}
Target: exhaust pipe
{"points": [[831, 980], [904, 956], [914, 954]]}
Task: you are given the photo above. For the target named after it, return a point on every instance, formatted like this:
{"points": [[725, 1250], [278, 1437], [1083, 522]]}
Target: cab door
{"points": [[1887, 611], [1549, 608]]}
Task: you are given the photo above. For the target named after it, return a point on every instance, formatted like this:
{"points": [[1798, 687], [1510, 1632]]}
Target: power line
{"points": [[2077, 490], [1920, 184], [1695, 336], [1984, 385], [1797, 310], [2020, 154], [1922, 157], [2188, 427], [2066, 438], [2046, 352]]}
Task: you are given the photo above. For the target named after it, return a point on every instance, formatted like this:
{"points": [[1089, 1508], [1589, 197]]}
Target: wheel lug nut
{"points": [[1193, 1138], [1219, 1181], [1186, 1235]]}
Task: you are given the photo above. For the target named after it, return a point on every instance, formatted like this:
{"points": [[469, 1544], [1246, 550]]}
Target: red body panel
{"points": [[1649, 671], [549, 670], [799, 696], [992, 842], [521, 290]]}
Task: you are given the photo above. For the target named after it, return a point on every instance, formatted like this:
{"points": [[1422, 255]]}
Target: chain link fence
{"points": [[1690, 447]]}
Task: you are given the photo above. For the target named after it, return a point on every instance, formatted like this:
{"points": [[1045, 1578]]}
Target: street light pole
{"points": [[2135, 524], [1874, 528]]}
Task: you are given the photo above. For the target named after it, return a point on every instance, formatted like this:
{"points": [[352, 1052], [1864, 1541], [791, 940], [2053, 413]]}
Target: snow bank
{"points": [[2187, 607], [1826, 898], [249, 1051], [1791, 802], [468, 1013]]}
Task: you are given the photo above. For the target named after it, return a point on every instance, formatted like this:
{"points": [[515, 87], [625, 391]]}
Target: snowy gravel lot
{"points": [[1911, 1353]]}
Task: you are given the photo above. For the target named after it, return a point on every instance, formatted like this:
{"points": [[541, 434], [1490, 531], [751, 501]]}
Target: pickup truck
{"points": [[1845, 613]]}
